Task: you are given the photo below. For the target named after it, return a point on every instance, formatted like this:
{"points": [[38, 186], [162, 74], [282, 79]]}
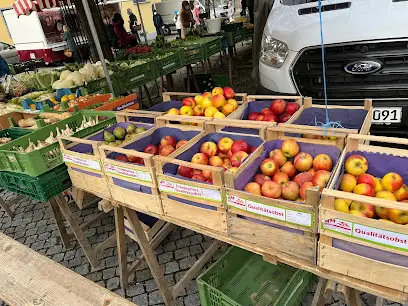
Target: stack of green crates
{"points": [[241, 278], [41, 174], [212, 46], [169, 63]]}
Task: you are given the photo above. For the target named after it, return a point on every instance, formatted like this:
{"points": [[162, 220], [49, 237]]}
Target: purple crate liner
{"points": [[372, 253], [87, 172], [349, 118], [171, 169], [131, 186], [241, 130], [85, 148], [312, 149], [285, 228], [146, 219], [209, 207], [165, 106]]}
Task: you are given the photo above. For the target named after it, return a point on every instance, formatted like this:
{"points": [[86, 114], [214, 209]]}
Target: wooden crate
{"points": [[135, 185], [238, 126], [275, 225], [368, 249], [199, 203], [83, 158], [177, 120], [329, 135], [15, 116]]}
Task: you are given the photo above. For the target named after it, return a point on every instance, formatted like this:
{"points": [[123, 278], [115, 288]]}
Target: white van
{"points": [[366, 50]]}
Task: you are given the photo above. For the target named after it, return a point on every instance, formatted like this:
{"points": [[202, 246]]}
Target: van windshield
{"points": [[297, 2]]}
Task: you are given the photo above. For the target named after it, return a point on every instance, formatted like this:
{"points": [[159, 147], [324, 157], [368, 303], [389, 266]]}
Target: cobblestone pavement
{"points": [[35, 227]]}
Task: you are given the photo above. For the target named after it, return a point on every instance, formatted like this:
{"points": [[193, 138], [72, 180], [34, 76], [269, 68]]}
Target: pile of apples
{"points": [[167, 145], [287, 173], [227, 153], [216, 104], [279, 111], [390, 187]]}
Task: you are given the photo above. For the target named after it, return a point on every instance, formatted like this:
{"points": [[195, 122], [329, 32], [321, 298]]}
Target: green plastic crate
{"points": [[14, 132], [193, 52], [101, 86], [212, 46], [42, 187], [169, 63], [241, 278], [129, 79], [40, 161], [234, 37]]}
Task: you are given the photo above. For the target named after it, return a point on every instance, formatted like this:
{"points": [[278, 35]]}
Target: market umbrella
{"points": [[25, 7]]}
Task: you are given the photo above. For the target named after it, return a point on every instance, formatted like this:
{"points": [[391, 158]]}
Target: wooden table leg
{"points": [[170, 82], [7, 208], [76, 229], [150, 257], [149, 97], [318, 299], [121, 243], [230, 63], [66, 239], [209, 65]]}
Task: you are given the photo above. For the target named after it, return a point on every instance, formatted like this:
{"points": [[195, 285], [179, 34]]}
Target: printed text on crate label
{"points": [[129, 173], [278, 213], [367, 233], [197, 192], [87, 163]]}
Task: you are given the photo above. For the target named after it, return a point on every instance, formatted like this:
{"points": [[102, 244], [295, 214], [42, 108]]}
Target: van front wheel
{"points": [[166, 30]]}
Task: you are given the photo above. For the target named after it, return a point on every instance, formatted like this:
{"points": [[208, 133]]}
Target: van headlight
{"points": [[273, 51]]}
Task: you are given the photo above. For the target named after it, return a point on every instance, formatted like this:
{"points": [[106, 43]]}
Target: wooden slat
{"points": [[28, 278]]}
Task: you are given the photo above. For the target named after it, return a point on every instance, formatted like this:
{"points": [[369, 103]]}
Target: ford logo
{"points": [[363, 67]]}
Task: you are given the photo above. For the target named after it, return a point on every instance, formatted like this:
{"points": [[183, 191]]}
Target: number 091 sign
{"points": [[387, 115]]}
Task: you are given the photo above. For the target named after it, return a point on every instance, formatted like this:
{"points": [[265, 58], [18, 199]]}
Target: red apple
{"points": [[196, 171], [367, 179], [280, 178], [229, 92], [185, 171], [252, 149], [239, 145], [229, 154], [215, 161], [303, 188], [226, 163], [200, 158], [209, 148], [122, 158], [253, 188], [292, 108], [238, 158], [402, 193], [253, 116], [259, 117], [135, 159], [290, 191], [303, 161], [278, 156], [289, 169], [271, 190], [278, 107], [321, 178], [199, 177], [364, 189], [168, 140], [261, 178], [311, 171], [181, 143], [302, 178], [322, 162], [265, 111], [222, 155], [270, 118], [366, 209], [284, 118], [189, 102], [151, 149], [225, 144], [269, 167], [166, 150], [392, 182], [290, 147]]}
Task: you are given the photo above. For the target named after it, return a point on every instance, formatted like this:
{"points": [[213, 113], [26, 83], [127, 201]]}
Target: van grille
{"points": [[389, 82]]}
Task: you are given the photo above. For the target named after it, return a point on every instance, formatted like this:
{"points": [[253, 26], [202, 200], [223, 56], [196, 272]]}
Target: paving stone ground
{"points": [[35, 227]]}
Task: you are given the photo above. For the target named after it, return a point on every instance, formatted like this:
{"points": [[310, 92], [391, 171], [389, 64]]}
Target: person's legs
{"points": [[251, 14], [179, 32]]}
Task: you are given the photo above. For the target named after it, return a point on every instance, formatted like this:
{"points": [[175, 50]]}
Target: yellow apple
{"points": [[173, 111], [219, 115], [206, 103], [210, 111], [199, 99], [341, 205], [186, 111]]}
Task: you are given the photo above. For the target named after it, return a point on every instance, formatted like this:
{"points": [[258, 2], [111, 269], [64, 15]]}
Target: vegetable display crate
{"points": [[102, 98], [130, 102], [14, 133], [228, 27], [241, 278], [369, 249], [83, 158], [134, 184], [129, 79], [206, 82], [101, 85], [6, 120], [193, 52], [196, 202], [212, 46], [39, 161], [353, 119], [170, 62], [257, 104], [275, 225], [42, 187], [47, 104]]}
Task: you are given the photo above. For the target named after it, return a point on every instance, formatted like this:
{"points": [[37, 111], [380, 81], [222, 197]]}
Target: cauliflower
{"points": [[101, 73], [63, 84], [90, 72], [64, 75], [77, 78]]}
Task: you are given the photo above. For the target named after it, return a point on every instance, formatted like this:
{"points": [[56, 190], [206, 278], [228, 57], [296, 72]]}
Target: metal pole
{"points": [[97, 44], [141, 21]]}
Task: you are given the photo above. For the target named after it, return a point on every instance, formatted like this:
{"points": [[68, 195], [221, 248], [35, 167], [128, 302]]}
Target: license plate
{"points": [[387, 115]]}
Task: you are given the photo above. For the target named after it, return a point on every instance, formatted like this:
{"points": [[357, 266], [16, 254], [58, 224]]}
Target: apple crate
{"points": [[353, 119], [179, 120], [256, 104], [199, 203], [366, 248], [83, 159], [275, 225], [134, 185]]}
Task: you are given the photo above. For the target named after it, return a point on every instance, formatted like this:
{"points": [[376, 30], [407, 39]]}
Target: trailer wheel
{"points": [[166, 30]]}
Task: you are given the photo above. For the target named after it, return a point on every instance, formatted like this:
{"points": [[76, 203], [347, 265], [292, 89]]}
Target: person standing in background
{"points": [[124, 38], [177, 22], [186, 18], [67, 36], [250, 5], [196, 13], [134, 27], [158, 23], [231, 11], [243, 8]]}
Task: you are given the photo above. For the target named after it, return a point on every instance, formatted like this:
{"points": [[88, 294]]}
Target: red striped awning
{"points": [[25, 7]]}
